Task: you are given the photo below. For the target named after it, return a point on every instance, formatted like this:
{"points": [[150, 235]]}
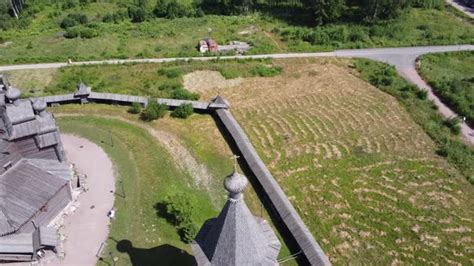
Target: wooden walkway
{"points": [[113, 98]]}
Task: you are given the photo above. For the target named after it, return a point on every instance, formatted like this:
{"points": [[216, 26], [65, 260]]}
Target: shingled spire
{"points": [[236, 237]]}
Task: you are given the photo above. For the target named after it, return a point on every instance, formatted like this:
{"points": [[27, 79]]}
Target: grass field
{"points": [[452, 77], [153, 161], [365, 178], [154, 80], [43, 40]]}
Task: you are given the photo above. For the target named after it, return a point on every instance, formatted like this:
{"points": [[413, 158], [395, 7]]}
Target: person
{"points": [[111, 214], [464, 119]]}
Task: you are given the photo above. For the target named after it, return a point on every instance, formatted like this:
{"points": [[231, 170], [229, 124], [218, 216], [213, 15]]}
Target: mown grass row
{"points": [[423, 113]]}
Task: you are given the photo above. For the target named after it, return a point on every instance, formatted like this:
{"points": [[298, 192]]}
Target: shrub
{"points": [[170, 72], [89, 33], [136, 108], [180, 209], [73, 32], [183, 111], [382, 76], [421, 94], [154, 111], [188, 231], [137, 14], [68, 4], [264, 71], [453, 124], [68, 22], [73, 19], [183, 94]]}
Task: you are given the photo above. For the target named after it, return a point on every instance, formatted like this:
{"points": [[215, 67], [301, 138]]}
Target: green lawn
{"points": [[43, 40], [149, 174], [452, 77]]}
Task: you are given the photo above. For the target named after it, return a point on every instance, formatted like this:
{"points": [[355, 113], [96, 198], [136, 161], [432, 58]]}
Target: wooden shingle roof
{"points": [[26, 188], [236, 237]]}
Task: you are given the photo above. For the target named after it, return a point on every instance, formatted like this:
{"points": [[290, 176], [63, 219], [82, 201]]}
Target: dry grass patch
{"points": [[206, 81]]}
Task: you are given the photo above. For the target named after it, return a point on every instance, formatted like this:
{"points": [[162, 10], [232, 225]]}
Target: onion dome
{"points": [[235, 184], [13, 93], [39, 105]]}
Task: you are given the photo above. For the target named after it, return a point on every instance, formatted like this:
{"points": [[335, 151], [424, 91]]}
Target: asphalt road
{"points": [[404, 59]]}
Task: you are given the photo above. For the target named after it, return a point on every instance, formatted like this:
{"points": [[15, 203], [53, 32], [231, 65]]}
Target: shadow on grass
{"points": [[161, 255]]}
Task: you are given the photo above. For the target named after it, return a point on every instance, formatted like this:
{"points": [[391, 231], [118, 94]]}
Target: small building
{"points": [[236, 237], [34, 177]]}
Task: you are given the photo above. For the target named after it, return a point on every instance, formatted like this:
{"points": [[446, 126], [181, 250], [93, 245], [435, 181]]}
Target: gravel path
{"points": [[459, 5], [88, 227]]}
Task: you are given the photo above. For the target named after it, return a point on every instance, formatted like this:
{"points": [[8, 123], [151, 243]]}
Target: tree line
{"points": [[315, 12]]}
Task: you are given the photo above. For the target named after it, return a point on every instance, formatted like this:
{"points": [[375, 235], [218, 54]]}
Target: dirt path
{"points": [[88, 227]]}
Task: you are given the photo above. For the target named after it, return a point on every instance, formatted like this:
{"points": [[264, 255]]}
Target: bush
{"points": [[453, 124], [68, 22], [136, 108], [170, 72], [183, 111], [188, 231], [89, 33], [183, 94], [73, 32], [382, 76], [68, 4], [154, 111], [137, 14], [72, 20], [422, 94], [180, 209], [264, 71]]}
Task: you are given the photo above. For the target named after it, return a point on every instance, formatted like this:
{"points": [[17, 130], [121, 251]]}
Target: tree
{"points": [[325, 11], [382, 9]]}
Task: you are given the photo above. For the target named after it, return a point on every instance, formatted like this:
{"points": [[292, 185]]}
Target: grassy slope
{"points": [[148, 177], [166, 38], [365, 177], [437, 69]]}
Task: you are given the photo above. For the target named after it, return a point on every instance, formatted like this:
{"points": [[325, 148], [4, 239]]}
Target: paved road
{"points": [[459, 5], [403, 59]]}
